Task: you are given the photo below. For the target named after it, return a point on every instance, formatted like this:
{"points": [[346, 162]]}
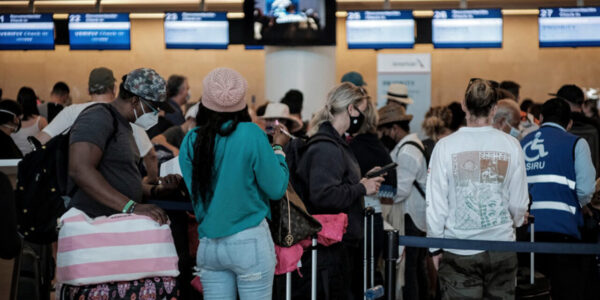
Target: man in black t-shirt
{"points": [[173, 136], [59, 98]]}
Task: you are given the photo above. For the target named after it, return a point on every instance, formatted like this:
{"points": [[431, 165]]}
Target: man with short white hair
{"points": [[508, 118]]}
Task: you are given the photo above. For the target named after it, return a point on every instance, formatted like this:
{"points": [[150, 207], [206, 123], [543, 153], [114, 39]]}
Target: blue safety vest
{"points": [[550, 163]]}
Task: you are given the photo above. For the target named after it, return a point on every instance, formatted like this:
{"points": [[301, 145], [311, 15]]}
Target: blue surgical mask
{"points": [[514, 132]]}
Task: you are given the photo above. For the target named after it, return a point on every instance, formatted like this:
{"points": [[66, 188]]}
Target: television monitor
{"points": [[26, 32], [105, 31], [380, 29], [467, 28], [290, 22], [569, 27], [196, 30]]}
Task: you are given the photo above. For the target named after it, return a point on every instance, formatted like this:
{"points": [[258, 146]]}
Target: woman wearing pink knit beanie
{"points": [[232, 172]]}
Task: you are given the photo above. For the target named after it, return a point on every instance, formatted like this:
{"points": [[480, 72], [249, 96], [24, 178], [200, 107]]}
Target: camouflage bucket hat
{"points": [[148, 85]]}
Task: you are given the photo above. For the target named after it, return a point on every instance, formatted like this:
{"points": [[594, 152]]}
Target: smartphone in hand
{"points": [[382, 171]]}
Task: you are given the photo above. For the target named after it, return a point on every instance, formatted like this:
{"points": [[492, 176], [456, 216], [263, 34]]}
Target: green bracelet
{"points": [[127, 206], [277, 147]]}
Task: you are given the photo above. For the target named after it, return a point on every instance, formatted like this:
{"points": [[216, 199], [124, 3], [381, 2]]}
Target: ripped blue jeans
{"points": [[243, 262]]}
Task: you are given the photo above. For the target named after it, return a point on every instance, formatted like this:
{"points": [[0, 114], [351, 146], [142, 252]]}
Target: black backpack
{"points": [[296, 148], [42, 194]]}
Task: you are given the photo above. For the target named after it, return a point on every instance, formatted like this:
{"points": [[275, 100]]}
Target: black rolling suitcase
{"points": [[532, 285], [370, 291], [36, 272]]}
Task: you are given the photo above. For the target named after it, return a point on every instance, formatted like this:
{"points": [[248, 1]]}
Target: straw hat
{"points": [[399, 92], [392, 113], [281, 111]]}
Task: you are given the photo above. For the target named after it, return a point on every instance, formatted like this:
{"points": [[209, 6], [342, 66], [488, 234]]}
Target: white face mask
{"points": [[15, 129], [147, 120]]}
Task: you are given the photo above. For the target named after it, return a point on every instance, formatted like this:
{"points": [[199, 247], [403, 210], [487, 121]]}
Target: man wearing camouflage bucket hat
{"points": [[103, 157]]}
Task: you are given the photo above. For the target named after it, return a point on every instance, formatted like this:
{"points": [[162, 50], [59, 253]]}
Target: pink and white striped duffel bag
{"points": [[121, 247]]}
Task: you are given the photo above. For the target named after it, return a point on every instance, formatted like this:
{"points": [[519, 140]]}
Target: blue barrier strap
{"points": [[537, 247], [172, 205]]}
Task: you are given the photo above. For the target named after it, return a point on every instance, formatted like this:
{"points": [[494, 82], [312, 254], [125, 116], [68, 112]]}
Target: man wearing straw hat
{"points": [[279, 113], [398, 94], [408, 211]]}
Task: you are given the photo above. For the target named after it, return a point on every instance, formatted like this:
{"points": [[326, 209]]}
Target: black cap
{"points": [[570, 93]]}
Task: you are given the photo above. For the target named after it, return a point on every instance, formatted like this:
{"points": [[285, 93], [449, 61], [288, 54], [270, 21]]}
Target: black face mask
{"points": [[388, 142], [355, 122]]}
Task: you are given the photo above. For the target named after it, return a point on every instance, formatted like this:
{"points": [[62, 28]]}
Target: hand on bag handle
{"points": [[154, 212]]}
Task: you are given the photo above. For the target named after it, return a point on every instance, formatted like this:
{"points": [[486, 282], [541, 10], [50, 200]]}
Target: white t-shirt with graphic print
{"points": [[476, 187]]}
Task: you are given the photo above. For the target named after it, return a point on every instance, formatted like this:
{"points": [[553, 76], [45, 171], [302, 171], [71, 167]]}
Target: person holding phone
{"points": [[330, 182], [279, 114], [371, 153]]}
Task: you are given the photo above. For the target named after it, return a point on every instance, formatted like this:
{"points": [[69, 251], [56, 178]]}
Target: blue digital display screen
{"points": [[467, 28], [196, 30], [26, 32], [110, 31], [569, 27], [380, 29]]}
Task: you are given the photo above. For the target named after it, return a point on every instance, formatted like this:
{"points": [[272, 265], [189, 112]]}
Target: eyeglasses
{"points": [[154, 110]]}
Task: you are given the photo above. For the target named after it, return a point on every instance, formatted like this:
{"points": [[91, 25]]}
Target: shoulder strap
{"points": [[415, 183], [73, 190], [422, 149], [115, 121]]}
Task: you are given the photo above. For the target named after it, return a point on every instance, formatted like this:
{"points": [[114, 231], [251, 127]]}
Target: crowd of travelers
{"points": [[476, 169]]}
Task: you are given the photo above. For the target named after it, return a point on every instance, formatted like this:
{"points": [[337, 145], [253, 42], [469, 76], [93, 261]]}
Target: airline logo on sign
{"points": [[405, 63]]}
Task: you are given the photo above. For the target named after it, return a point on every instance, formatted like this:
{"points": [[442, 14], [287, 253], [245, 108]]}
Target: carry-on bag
{"points": [[121, 247]]}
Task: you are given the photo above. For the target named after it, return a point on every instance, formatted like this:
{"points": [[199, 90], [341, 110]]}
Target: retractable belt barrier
{"points": [[393, 239], [536, 247]]}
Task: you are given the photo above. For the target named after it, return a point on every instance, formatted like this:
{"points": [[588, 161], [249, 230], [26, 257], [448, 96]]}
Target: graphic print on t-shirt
{"points": [[479, 176]]}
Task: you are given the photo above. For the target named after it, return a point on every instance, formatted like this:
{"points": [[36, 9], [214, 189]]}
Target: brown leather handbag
{"points": [[290, 222]]}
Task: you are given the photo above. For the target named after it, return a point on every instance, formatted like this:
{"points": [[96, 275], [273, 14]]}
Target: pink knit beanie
{"points": [[224, 90]]}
